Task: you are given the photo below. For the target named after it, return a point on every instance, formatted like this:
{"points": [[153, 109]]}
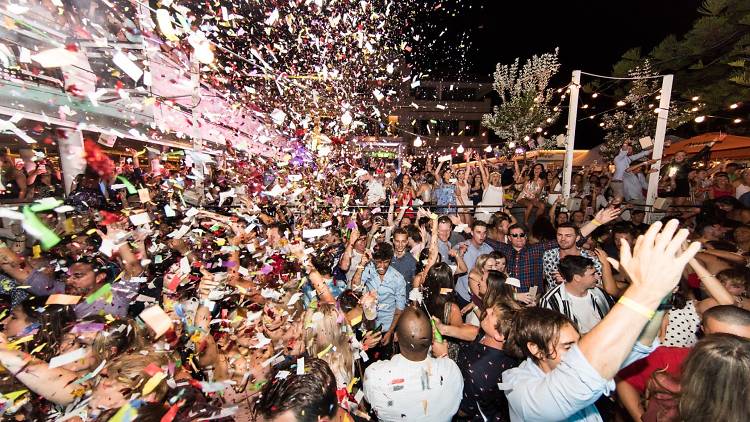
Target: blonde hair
{"points": [[119, 336], [323, 329], [479, 264], [130, 369]]}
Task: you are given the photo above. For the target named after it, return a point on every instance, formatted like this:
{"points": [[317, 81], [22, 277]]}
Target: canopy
{"points": [[732, 146]]}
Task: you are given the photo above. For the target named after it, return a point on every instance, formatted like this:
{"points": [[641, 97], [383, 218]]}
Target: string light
{"points": [[418, 142], [460, 149], [700, 119], [526, 138], [620, 103], [488, 149], [733, 106], [696, 98], [737, 120], [594, 95], [630, 126]]}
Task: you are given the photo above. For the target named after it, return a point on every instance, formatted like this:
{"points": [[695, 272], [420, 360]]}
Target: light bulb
{"points": [[594, 95], [538, 130], [696, 98], [733, 106], [700, 119], [418, 142], [737, 120], [620, 103], [488, 149], [526, 138], [511, 144], [460, 149]]}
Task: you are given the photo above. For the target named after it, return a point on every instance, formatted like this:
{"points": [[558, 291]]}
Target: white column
{"points": [[575, 86], [195, 81], [72, 163], [661, 131]]}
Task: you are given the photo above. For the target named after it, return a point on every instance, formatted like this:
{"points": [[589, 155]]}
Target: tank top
{"points": [[531, 190], [427, 195]]}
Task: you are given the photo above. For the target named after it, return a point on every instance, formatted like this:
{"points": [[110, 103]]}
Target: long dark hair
{"points": [[542, 175], [440, 276]]}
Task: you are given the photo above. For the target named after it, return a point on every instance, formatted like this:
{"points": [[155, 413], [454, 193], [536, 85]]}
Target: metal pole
{"points": [[661, 131], [575, 86]]}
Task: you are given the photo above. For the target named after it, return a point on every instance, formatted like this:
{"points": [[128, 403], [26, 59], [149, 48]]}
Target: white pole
{"points": [[70, 144], [195, 81], [661, 131], [575, 86]]}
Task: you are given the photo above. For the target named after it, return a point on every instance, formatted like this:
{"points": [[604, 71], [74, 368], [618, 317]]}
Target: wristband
{"points": [[596, 222], [637, 307]]}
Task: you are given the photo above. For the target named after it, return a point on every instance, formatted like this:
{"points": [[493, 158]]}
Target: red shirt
{"points": [[639, 372]]}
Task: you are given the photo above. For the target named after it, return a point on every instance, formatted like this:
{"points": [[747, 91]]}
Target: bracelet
{"points": [[706, 276], [596, 222], [637, 307]]}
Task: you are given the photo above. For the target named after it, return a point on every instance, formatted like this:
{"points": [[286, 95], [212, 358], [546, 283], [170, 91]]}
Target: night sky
{"points": [[592, 36]]}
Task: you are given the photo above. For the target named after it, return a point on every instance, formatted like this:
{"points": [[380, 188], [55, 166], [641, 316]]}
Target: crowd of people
{"points": [[345, 289]]}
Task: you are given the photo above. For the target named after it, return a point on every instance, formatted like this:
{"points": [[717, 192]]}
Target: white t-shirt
{"points": [[404, 390], [584, 312]]}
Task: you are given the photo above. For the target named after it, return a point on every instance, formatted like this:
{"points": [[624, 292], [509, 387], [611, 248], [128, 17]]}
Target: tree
{"points": [[712, 60], [636, 119], [524, 100]]}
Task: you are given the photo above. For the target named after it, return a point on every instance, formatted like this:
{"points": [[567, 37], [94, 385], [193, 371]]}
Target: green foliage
{"points": [[636, 119], [525, 99], [709, 60]]}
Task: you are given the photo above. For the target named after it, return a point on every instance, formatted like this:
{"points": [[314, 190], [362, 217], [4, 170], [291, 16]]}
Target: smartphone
{"points": [[533, 290]]}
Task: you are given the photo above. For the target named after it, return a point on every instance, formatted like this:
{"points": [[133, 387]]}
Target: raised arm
{"points": [[608, 279], [604, 216], [483, 173], [346, 258], [54, 384], [654, 267], [717, 291]]}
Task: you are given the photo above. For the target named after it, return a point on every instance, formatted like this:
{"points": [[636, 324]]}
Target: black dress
{"points": [[482, 367]]}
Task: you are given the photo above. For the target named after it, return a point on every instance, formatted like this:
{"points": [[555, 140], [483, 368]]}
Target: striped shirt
{"points": [[558, 299]]}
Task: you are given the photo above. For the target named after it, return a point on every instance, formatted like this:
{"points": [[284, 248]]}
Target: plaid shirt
{"points": [[527, 264]]}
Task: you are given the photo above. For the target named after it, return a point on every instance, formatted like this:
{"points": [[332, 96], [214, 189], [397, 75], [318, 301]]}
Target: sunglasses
{"points": [[517, 235]]}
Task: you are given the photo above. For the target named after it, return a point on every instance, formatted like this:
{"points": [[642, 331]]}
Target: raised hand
{"points": [[655, 264]]}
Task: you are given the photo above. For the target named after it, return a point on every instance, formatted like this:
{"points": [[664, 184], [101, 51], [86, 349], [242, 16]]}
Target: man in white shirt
{"points": [[375, 189], [622, 162], [413, 386], [578, 298]]}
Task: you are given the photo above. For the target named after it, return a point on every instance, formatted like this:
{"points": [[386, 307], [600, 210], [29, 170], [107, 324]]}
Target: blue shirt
{"points": [[445, 199], [567, 393], [407, 266], [334, 285], [470, 258], [391, 292]]}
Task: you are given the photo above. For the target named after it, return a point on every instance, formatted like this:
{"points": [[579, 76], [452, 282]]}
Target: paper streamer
{"points": [[126, 413], [104, 290], [34, 226], [67, 358], [129, 186]]}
